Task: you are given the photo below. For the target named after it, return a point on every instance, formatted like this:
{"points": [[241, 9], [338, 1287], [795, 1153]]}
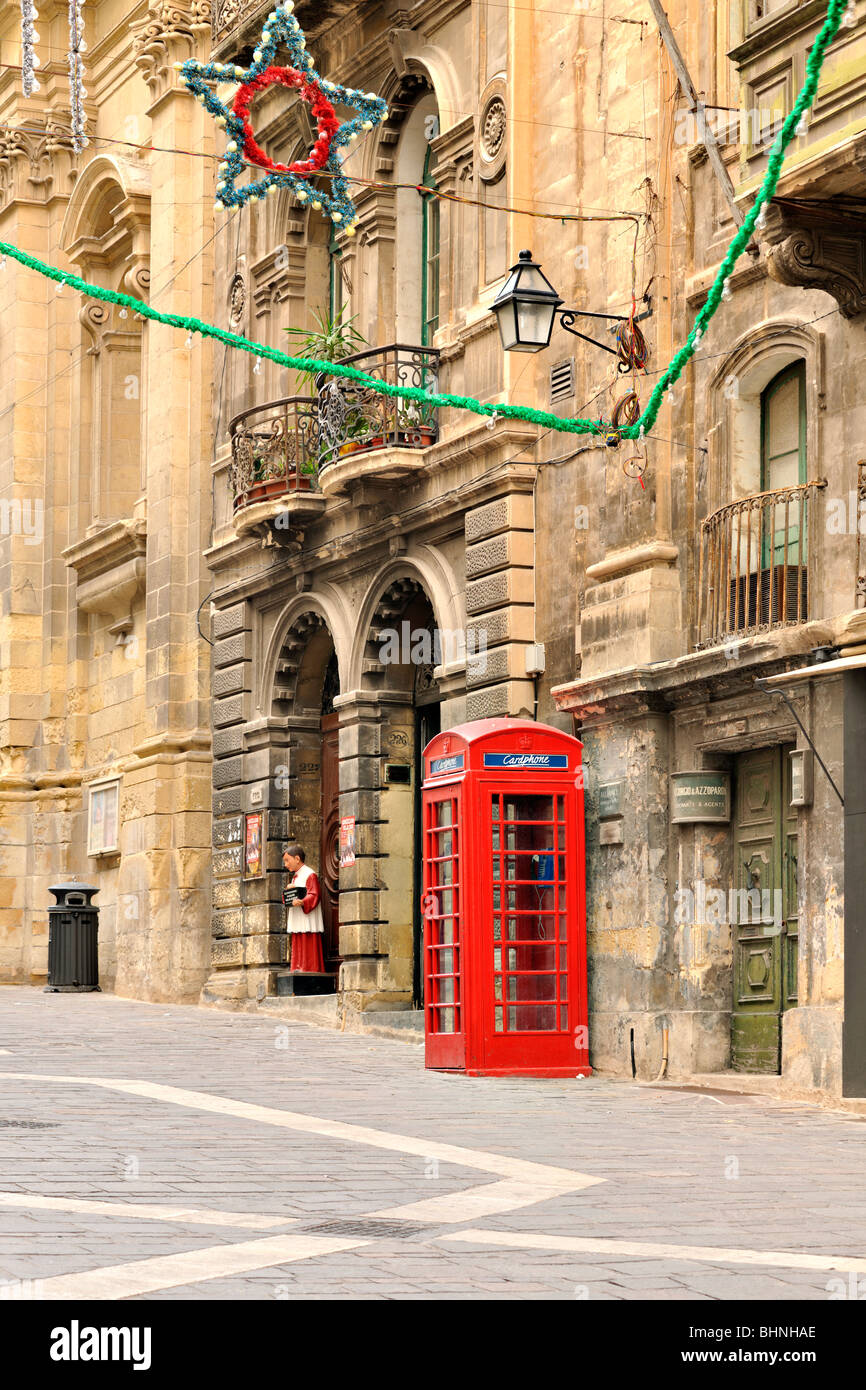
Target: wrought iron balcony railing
{"points": [[275, 450], [754, 565], [354, 417]]}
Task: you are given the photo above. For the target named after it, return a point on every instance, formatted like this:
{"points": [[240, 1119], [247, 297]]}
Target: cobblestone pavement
{"points": [[153, 1151]]}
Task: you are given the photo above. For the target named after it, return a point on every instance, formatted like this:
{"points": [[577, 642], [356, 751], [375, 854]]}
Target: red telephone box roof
{"points": [[488, 728], [506, 744]]}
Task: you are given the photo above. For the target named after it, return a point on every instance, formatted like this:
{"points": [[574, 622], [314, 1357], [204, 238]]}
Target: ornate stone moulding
{"points": [[818, 250]]}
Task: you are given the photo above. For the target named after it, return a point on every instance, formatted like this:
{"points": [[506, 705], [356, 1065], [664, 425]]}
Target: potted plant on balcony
{"points": [[269, 477], [333, 340]]}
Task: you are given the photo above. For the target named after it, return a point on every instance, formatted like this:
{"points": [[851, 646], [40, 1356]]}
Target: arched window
{"points": [[417, 248]]}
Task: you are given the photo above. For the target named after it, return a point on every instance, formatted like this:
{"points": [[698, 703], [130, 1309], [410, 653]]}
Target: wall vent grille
{"points": [[562, 380]]}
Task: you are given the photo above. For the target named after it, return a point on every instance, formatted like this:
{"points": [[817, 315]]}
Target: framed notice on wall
{"points": [[103, 818], [254, 844], [347, 842]]}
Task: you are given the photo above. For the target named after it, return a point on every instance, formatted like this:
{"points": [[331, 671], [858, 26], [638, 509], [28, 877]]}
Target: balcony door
{"points": [[783, 465]]}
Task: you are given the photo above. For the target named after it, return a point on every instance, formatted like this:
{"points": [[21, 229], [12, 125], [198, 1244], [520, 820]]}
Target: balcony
{"points": [[272, 474], [754, 564], [236, 24], [365, 437]]}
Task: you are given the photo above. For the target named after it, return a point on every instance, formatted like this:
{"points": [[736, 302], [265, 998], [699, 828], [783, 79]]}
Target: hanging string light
{"points": [[29, 37], [77, 93]]}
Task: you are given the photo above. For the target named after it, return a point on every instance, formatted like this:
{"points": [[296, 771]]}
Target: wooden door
{"points": [[329, 850], [763, 908]]}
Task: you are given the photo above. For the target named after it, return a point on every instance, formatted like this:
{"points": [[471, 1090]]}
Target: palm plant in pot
{"points": [[344, 424]]}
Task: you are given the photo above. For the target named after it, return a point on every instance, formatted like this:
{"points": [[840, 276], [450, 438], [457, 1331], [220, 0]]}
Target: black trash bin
{"points": [[73, 927]]}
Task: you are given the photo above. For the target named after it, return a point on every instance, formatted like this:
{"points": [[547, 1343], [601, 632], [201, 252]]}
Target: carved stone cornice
{"points": [[171, 33], [818, 250], [36, 165]]}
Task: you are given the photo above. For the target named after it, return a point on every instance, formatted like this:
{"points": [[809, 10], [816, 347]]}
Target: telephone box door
{"points": [[444, 924]]}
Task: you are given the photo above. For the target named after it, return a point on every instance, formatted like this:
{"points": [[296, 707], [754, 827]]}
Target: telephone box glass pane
{"points": [[526, 926], [531, 1018], [444, 813], [541, 956], [531, 987], [445, 842], [443, 931], [446, 990], [528, 808], [530, 868]]}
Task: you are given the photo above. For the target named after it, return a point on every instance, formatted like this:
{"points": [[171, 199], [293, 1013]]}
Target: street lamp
{"points": [[527, 305]]}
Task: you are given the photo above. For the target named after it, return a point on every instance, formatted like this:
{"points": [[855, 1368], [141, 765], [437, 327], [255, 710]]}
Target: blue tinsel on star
{"points": [[334, 199]]}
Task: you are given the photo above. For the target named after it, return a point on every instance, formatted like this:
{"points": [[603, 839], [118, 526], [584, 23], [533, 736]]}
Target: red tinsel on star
{"points": [[327, 123]]}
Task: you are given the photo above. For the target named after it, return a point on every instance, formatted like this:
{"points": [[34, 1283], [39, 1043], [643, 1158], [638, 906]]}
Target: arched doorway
{"points": [[307, 681], [401, 656]]}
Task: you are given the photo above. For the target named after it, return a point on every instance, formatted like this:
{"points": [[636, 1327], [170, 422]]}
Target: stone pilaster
{"points": [[500, 550]]}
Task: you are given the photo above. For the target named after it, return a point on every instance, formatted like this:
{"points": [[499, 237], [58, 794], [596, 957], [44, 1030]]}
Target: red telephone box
{"points": [[504, 901]]}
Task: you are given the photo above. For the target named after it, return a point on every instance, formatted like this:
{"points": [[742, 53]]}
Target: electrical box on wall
{"points": [[534, 657], [802, 776]]}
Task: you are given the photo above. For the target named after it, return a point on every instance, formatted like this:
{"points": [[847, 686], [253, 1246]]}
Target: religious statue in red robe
{"points": [[304, 922]]}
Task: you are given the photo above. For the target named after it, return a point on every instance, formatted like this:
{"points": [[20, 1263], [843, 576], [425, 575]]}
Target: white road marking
{"points": [[642, 1249], [527, 1182], [190, 1267], [490, 1200], [192, 1216]]}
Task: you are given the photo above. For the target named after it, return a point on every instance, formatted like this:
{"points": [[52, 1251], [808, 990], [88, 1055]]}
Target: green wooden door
{"points": [[763, 909]]}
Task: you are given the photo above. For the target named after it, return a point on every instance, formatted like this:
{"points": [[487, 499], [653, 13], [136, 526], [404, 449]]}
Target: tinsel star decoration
{"points": [[333, 136]]}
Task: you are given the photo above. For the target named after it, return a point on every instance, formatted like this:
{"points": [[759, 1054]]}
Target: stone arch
{"points": [[283, 680], [398, 647], [301, 664], [424, 568], [301, 683], [418, 58], [391, 711], [734, 403], [106, 226]]}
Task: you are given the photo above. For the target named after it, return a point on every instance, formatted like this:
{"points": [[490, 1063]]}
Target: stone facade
{"points": [[670, 648], [105, 439], [319, 551]]}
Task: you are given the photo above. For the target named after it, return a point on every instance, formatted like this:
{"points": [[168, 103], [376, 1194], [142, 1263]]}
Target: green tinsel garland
{"points": [[814, 63]]}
